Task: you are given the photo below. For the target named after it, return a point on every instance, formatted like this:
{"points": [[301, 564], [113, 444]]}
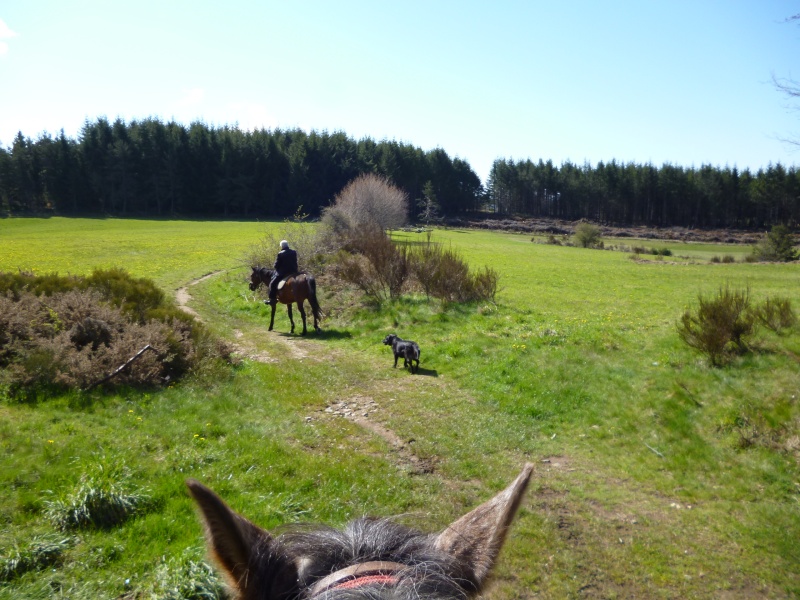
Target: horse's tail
{"points": [[312, 297]]}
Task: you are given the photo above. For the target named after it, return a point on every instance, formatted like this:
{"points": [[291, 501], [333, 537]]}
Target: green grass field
{"points": [[656, 475]]}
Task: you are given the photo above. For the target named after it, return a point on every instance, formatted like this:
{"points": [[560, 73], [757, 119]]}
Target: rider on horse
{"points": [[285, 265]]}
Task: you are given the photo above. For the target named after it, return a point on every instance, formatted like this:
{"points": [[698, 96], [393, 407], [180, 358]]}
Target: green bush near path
{"points": [[653, 470]]}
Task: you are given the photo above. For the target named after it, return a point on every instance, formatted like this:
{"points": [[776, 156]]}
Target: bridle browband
{"points": [[374, 572]]}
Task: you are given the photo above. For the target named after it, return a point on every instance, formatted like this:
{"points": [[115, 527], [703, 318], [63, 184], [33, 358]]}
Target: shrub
{"points": [[776, 314], [367, 201], [715, 259], [587, 235], [376, 265], [315, 246], [443, 274], [41, 552], [728, 258], [553, 240], [101, 501], [720, 325], [777, 246], [76, 334]]}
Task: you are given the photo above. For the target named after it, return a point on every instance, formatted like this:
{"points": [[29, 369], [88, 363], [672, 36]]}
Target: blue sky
{"points": [[685, 82]]}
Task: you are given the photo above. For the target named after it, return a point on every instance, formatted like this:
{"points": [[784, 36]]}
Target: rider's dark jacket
{"points": [[286, 263]]}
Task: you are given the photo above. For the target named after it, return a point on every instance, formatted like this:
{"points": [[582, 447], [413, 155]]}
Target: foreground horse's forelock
{"points": [[369, 558]]}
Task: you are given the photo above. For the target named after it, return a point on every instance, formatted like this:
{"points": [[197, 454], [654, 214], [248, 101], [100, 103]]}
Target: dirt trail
{"points": [[183, 297], [360, 409]]}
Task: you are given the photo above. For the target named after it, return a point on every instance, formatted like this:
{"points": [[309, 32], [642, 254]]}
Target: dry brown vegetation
{"points": [[72, 333]]}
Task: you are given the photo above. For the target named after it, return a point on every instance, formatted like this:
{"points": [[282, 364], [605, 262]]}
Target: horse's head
{"points": [[259, 275], [368, 559]]}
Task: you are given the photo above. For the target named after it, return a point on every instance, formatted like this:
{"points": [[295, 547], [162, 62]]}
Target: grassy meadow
{"points": [[655, 476]]}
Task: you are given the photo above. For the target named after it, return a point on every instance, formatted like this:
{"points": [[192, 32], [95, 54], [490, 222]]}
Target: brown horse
{"points": [[371, 559], [296, 288]]}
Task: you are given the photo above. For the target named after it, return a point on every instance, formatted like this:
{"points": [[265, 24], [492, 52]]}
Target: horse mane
{"points": [[430, 573]]}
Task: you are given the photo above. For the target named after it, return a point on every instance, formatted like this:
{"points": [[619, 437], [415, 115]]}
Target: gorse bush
{"points": [[41, 552], [71, 332], [777, 245], [103, 499], [383, 270], [442, 273], [720, 325], [776, 314], [374, 264], [587, 235]]}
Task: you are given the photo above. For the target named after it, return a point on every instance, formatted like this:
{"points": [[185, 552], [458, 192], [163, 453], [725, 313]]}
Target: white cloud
{"points": [[251, 116], [6, 33], [192, 97]]}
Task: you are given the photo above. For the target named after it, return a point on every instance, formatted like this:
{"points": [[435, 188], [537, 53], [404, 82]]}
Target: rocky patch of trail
{"points": [[362, 410]]}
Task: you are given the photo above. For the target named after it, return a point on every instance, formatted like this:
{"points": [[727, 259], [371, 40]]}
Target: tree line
{"points": [[634, 194], [154, 168], [165, 169]]}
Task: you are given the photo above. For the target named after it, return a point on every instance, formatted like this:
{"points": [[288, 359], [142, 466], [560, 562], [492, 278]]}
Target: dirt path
{"points": [[360, 409], [183, 297]]}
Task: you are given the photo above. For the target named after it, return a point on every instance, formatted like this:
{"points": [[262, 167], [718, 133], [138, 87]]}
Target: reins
{"points": [[355, 576]]}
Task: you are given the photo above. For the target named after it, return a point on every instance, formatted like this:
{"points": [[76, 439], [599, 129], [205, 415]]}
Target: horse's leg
{"points": [[291, 319], [272, 318], [302, 314]]}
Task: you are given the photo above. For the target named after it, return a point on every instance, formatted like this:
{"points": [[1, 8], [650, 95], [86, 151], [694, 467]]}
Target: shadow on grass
{"points": [[323, 334], [427, 372]]}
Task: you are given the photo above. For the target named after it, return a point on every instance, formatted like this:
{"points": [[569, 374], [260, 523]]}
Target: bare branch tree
{"points": [[790, 88], [369, 200]]}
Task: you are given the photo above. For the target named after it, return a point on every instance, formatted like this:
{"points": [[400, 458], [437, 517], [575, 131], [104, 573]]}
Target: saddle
{"points": [[282, 282]]}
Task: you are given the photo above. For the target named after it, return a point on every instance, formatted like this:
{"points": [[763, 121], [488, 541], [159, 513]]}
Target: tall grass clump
{"points": [[101, 500], [720, 325], [41, 552], [188, 578]]}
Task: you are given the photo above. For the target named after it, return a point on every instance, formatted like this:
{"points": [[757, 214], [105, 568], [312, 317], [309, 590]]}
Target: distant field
{"points": [[656, 475], [170, 252]]}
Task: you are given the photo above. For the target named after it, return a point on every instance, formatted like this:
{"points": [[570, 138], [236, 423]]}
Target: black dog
{"points": [[407, 349]]}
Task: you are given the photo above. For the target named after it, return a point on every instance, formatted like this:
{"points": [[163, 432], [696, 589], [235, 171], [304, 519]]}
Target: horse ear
{"points": [[246, 553], [476, 538]]}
